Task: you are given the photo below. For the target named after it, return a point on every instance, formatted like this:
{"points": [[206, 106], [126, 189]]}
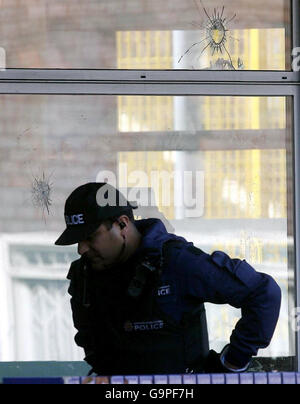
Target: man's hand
{"points": [[230, 366], [213, 363], [216, 363]]}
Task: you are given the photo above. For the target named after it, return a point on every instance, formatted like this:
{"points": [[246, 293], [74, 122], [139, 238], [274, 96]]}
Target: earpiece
{"points": [[122, 225]]}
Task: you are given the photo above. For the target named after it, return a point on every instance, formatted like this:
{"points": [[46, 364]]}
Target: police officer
{"points": [[138, 293]]}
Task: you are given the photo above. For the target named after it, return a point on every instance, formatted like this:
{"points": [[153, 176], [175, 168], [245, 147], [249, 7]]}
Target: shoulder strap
{"points": [[168, 249], [147, 267]]}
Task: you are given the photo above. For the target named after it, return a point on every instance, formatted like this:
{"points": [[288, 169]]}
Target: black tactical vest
{"points": [[132, 333]]}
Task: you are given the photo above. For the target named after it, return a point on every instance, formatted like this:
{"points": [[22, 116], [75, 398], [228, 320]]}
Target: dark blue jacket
{"points": [[195, 277], [218, 279]]}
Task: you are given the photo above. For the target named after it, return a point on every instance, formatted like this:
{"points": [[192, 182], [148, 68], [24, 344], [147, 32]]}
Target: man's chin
{"points": [[96, 263], [99, 265]]}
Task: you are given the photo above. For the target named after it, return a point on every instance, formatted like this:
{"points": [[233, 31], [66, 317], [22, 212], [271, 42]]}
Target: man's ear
{"points": [[123, 221], [122, 225]]}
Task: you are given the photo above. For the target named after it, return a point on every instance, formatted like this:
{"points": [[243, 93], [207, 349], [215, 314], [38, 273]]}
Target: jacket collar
{"points": [[154, 236]]}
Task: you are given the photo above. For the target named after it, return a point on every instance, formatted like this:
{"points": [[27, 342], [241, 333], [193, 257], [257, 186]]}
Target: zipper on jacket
{"points": [[85, 301]]}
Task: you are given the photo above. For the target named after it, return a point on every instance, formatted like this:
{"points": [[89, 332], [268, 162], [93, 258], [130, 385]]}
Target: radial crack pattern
{"points": [[216, 37], [41, 191]]}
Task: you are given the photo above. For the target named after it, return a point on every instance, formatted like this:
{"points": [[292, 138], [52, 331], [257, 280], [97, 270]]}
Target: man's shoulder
{"points": [[189, 258], [179, 252], [173, 246], [184, 247]]}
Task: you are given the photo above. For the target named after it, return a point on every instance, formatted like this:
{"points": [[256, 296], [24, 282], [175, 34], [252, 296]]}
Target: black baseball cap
{"points": [[87, 207]]}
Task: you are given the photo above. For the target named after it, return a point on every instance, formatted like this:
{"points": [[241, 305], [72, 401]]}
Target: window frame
{"points": [[176, 82]]}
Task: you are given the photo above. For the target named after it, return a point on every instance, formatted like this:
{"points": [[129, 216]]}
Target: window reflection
{"points": [[147, 34], [236, 152]]}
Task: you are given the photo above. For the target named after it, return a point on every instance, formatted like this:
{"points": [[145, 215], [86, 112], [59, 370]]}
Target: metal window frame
{"points": [[176, 82]]}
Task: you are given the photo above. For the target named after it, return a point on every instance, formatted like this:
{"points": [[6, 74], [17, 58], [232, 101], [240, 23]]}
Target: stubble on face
{"points": [[106, 249]]}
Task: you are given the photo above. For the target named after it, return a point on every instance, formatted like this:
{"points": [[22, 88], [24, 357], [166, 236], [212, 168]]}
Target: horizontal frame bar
{"points": [[146, 76], [159, 88]]}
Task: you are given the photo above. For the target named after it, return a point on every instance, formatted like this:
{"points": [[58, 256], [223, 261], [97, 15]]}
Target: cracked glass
{"points": [[147, 34]]}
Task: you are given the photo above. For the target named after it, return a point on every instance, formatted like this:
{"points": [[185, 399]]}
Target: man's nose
{"points": [[83, 247]]}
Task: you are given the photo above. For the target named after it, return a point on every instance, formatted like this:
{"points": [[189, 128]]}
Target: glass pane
{"points": [[147, 34], [215, 170]]}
